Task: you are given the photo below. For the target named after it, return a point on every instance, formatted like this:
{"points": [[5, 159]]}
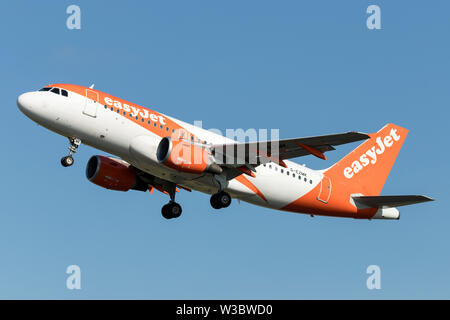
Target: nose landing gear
{"points": [[67, 161]]}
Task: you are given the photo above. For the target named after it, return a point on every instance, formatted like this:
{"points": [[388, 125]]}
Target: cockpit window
{"points": [[62, 92]]}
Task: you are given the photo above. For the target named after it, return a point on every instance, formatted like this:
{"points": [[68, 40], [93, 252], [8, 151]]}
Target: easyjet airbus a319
{"points": [[156, 151]]}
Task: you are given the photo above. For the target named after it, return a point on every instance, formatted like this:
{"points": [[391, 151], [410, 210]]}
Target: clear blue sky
{"points": [[308, 68]]}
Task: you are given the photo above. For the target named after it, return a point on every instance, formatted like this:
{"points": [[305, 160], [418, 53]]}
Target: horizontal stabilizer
{"points": [[390, 201]]}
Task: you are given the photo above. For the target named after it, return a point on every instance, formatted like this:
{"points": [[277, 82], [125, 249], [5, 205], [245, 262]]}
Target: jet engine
{"points": [[186, 157], [112, 173]]}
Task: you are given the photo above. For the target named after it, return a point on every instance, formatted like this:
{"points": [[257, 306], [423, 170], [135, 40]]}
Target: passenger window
{"points": [[161, 126], [55, 90], [148, 122], [64, 93], [167, 128], [282, 171], [305, 179], [310, 181], [270, 166], [124, 113], [45, 89], [293, 175], [300, 178], [154, 124], [287, 172], [112, 109]]}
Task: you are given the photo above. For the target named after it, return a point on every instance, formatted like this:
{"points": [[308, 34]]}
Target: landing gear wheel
{"points": [[224, 199], [171, 210], [214, 202], [67, 161], [165, 212], [175, 210], [220, 200]]}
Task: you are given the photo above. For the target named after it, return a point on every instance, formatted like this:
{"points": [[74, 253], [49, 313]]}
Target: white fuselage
{"points": [[113, 132]]}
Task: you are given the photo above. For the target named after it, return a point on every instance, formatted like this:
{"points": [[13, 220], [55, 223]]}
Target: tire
{"points": [[214, 202], [171, 210], [166, 212], [67, 161], [224, 199], [220, 200], [175, 210]]}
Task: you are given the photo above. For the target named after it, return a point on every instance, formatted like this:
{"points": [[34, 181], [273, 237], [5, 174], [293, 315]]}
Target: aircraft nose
{"points": [[29, 102]]}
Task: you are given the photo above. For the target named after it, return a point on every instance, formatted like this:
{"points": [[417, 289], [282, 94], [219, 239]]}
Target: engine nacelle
{"points": [[185, 157], [113, 174]]}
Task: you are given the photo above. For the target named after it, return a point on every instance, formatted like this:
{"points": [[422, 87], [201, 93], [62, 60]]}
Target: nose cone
{"points": [[29, 103]]}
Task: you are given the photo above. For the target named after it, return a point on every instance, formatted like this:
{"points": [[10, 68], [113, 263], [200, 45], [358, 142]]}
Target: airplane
{"points": [[153, 151]]}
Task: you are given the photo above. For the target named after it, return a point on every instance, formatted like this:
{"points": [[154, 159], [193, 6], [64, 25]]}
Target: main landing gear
{"points": [[67, 161], [220, 200], [172, 209]]}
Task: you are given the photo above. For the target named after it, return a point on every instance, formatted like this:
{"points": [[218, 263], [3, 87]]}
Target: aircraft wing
{"points": [[255, 153]]}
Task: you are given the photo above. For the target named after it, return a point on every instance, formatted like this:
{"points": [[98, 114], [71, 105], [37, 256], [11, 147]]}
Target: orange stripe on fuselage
{"points": [[362, 171], [338, 204], [143, 113], [251, 186]]}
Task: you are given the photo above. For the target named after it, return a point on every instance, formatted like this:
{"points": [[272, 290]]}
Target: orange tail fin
{"points": [[367, 167]]}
